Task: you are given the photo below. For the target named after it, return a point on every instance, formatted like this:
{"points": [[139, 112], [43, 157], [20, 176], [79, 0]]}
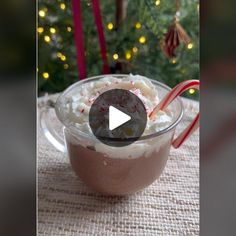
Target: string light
{"points": [[45, 75], [138, 25], [158, 2], [40, 30], [173, 61], [59, 54], [128, 55], [52, 30], [66, 66], [37, 69], [47, 38], [63, 6], [115, 56], [135, 49], [142, 39], [190, 46], [191, 91], [63, 57], [198, 7], [110, 26], [69, 28], [42, 13]]}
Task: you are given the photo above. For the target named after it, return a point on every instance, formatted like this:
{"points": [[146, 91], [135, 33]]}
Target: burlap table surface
{"points": [[170, 206]]}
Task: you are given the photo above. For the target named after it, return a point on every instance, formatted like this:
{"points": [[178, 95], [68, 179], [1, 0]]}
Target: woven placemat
{"points": [[170, 206]]}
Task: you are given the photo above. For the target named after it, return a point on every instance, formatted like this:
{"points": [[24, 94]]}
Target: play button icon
{"points": [[117, 117]]}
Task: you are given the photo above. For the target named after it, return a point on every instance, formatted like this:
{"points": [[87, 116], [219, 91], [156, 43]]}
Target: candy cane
{"points": [[175, 92], [186, 132]]}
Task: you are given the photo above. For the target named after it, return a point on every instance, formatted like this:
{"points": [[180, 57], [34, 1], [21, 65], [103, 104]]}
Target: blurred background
{"points": [[134, 33]]}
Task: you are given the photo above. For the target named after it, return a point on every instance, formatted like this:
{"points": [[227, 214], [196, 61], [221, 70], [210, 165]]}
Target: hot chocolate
{"points": [[119, 175], [116, 170]]}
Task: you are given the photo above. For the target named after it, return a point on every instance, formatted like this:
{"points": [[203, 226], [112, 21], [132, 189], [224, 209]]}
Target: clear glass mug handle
{"points": [[48, 129]]}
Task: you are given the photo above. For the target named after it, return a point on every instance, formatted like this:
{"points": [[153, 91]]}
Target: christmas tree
{"points": [[135, 32]]}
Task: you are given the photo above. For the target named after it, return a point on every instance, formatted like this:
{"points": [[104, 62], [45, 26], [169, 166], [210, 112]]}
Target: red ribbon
{"points": [[98, 21], [78, 34]]}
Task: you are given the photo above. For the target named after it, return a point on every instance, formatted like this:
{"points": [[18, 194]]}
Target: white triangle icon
{"points": [[117, 118]]}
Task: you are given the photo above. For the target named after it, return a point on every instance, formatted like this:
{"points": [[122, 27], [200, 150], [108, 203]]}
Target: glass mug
{"points": [[111, 170]]}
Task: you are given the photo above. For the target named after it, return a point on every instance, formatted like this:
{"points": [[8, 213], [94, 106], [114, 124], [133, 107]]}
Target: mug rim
{"points": [[145, 137]]}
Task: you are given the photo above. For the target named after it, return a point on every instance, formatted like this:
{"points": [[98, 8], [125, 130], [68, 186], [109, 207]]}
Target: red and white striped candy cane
{"points": [[175, 92]]}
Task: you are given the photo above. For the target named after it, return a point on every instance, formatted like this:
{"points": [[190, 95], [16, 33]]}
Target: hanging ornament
{"points": [[175, 35]]}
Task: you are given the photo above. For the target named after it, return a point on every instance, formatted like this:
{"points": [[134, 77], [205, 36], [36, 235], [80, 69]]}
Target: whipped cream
{"points": [[80, 101]]}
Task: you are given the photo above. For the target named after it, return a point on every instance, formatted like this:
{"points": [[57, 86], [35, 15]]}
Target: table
{"points": [[170, 206]]}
